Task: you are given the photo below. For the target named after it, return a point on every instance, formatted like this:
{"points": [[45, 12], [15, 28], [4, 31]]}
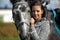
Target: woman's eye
{"points": [[38, 11]]}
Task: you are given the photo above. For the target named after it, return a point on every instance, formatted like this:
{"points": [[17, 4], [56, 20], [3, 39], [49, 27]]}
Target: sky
{"points": [[53, 4], [6, 3]]}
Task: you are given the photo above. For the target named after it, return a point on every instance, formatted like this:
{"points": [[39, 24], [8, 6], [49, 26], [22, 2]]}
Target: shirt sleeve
{"points": [[45, 31], [43, 35], [34, 34]]}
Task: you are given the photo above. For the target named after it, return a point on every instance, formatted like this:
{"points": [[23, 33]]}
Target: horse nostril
{"points": [[22, 8]]}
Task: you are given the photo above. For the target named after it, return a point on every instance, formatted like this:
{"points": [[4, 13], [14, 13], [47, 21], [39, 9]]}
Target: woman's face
{"points": [[37, 12]]}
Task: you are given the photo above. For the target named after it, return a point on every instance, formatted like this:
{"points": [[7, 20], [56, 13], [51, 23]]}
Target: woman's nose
{"points": [[35, 12]]}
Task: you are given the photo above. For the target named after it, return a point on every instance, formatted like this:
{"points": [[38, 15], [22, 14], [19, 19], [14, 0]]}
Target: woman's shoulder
{"points": [[44, 20]]}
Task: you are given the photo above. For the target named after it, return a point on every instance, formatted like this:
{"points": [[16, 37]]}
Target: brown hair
{"points": [[37, 3]]}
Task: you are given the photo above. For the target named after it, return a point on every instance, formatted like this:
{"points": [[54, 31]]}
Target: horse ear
{"points": [[14, 1]]}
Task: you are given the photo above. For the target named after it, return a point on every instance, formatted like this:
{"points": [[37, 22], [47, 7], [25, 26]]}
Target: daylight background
{"points": [[8, 30]]}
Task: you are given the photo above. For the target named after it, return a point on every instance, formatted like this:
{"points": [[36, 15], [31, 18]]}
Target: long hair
{"points": [[38, 3]]}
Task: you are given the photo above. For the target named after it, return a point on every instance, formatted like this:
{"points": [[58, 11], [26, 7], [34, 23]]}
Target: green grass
{"points": [[8, 31], [9, 38]]}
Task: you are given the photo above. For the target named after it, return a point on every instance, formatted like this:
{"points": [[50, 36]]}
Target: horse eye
{"points": [[23, 8]]}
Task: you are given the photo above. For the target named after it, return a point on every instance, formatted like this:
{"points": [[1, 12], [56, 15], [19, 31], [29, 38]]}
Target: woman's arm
{"points": [[45, 31], [33, 32]]}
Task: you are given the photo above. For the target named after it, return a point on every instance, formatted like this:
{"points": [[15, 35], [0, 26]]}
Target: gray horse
{"points": [[21, 16]]}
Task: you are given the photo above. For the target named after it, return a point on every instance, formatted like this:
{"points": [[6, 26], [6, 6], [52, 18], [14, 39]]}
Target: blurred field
{"points": [[8, 31]]}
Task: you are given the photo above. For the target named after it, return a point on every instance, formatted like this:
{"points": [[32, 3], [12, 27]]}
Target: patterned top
{"points": [[40, 31]]}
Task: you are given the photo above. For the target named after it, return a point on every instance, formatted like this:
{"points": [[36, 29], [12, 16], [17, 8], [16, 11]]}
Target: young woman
{"points": [[40, 27]]}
